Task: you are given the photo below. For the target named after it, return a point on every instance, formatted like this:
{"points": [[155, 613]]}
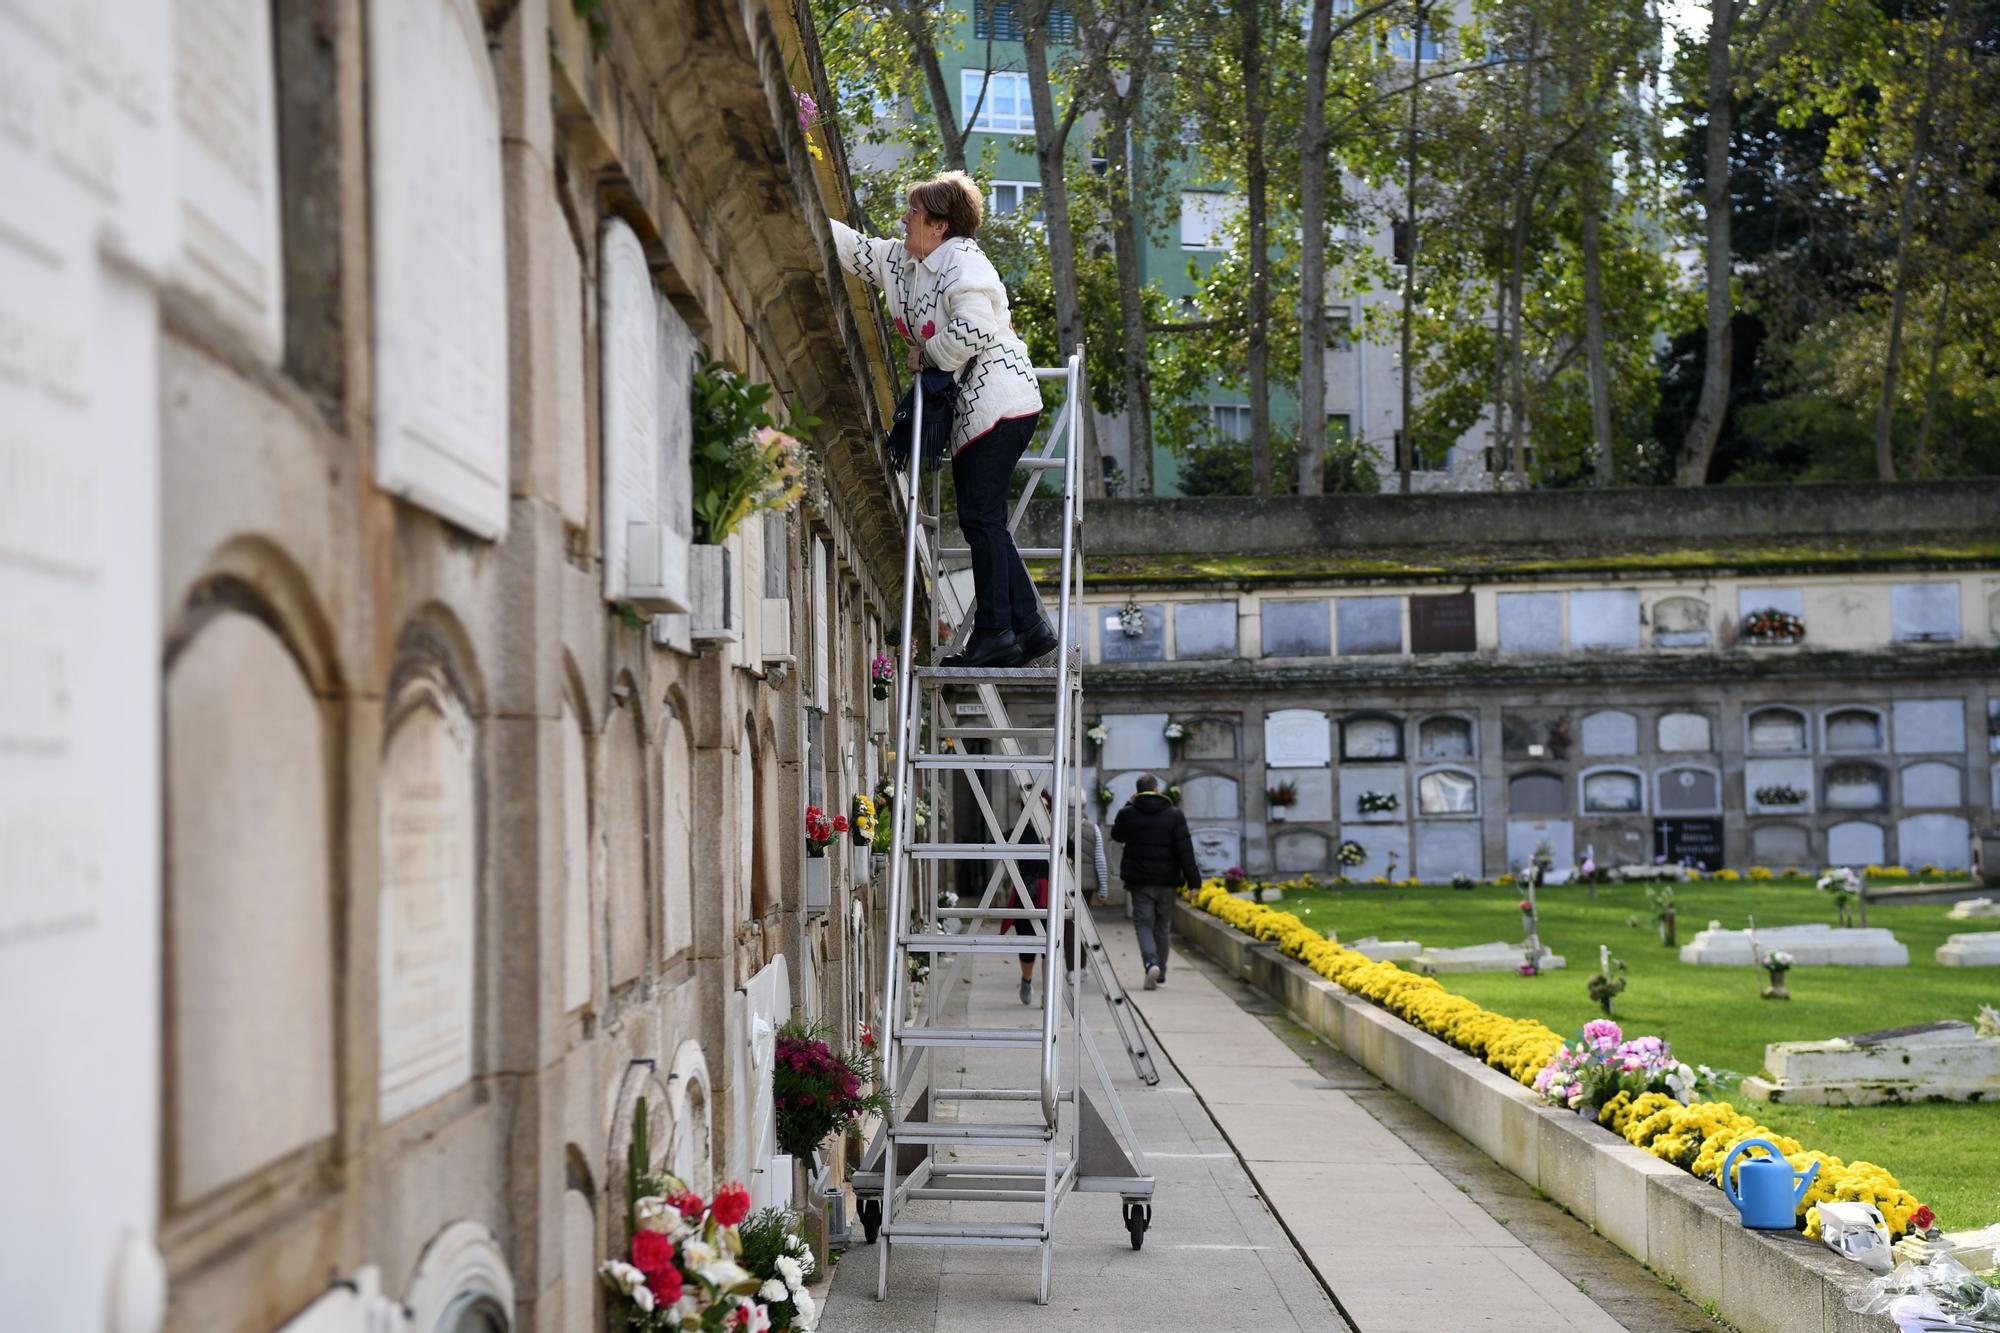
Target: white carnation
{"points": [[808, 1312], [789, 1269], [655, 1214], [772, 1291]]}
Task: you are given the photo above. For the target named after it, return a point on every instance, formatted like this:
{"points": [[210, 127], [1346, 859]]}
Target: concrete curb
{"points": [[1680, 1227]]}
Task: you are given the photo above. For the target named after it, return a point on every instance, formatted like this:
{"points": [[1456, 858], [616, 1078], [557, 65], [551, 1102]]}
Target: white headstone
{"points": [[1815, 945], [226, 165], [1369, 625], [1446, 848], [628, 330], [1378, 841], [1524, 836], [1610, 731], [1384, 951], [1680, 622], [1933, 785], [1979, 948], [1680, 732], [1297, 851], [1928, 726], [429, 868], [1613, 791], [576, 863], [1297, 738], [1974, 909], [1530, 622], [1205, 629], [1499, 956], [1766, 775], [1780, 846], [1217, 850], [1924, 612], [1446, 737], [1211, 796], [86, 221], [1384, 779], [1777, 731], [677, 837], [1856, 843], [1296, 629], [1929, 1061], [1371, 738], [1135, 740], [1605, 618], [439, 263], [758, 1009], [1315, 789], [1944, 841]]}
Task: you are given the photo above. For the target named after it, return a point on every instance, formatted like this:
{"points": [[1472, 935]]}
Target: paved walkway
{"points": [[1275, 1183]]}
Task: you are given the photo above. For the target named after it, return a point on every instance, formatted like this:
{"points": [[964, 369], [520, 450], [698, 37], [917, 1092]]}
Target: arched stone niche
{"points": [[624, 831], [691, 1152], [461, 1284]]}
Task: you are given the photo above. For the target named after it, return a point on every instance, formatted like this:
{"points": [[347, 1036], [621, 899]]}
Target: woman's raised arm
{"points": [[866, 257]]}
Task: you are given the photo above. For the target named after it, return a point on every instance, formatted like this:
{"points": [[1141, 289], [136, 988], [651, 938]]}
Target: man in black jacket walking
{"points": [[1159, 858]]}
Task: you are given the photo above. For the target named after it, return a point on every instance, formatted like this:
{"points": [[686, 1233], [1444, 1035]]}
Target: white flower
{"points": [[808, 1312], [772, 1291], [794, 1244], [697, 1254], [656, 1214], [723, 1274], [789, 1269], [623, 1277]]}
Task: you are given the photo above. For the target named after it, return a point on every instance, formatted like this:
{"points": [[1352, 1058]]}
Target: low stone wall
{"points": [[1680, 1227]]}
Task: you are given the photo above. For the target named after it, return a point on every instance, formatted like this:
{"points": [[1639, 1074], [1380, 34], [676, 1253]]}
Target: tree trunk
{"points": [[1051, 144], [1131, 307], [1713, 404], [916, 26], [1312, 256], [1920, 467], [1250, 14], [1502, 459], [1407, 446], [1593, 322], [1920, 147]]}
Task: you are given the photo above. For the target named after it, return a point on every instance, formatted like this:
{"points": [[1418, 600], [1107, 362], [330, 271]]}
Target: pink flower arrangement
{"points": [[1584, 1075], [881, 675]]}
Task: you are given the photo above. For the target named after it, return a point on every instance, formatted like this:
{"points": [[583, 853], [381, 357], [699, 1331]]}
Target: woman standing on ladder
{"points": [[948, 300]]}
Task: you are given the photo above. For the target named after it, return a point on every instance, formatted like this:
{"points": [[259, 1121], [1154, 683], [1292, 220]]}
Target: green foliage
{"points": [[594, 18], [741, 462]]}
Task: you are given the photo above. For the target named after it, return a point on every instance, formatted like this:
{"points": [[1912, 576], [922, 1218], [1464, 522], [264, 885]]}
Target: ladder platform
{"points": [[1007, 944], [1025, 552], [992, 914], [957, 1132], [988, 1038], [974, 675], [965, 1233], [983, 762], [979, 851]]}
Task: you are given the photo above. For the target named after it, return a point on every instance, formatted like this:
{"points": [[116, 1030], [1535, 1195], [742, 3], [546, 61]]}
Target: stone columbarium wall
{"points": [[390, 797]]}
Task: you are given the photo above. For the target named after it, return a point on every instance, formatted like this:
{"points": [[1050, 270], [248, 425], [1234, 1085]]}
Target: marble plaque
{"points": [[1135, 740], [1387, 779], [1610, 731], [1114, 645], [1924, 612], [576, 862], [1933, 786], [1446, 737], [1856, 843], [1780, 846], [677, 838], [1777, 731], [1380, 842], [1792, 601], [758, 1008], [1205, 629], [1371, 737], [1530, 622], [1604, 619], [87, 217], [1217, 850], [1680, 622], [1369, 625], [1853, 730], [251, 933], [1296, 851], [1537, 794], [623, 814], [1764, 774], [1315, 788], [1443, 624], [1123, 787], [1447, 849], [1211, 796], [1448, 791], [429, 863], [1680, 732], [628, 381], [1928, 726], [566, 386], [1944, 841], [1297, 738], [1612, 792], [1296, 629], [1814, 945], [679, 349], [439, 263], [226, 166], [1209, 738], [1524, 836], [1698, 841]]}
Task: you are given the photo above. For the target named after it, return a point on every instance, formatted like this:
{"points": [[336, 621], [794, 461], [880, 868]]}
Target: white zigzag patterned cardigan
{"points": [[953, 302]]}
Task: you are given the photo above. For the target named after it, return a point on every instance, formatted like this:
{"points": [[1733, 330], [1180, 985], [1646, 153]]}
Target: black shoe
{"points": [[1037, 642], [987, 648]]}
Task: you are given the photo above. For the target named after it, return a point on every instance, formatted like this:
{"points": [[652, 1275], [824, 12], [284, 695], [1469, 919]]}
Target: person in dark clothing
{"points": [[1036, 873], [1159, 858]]}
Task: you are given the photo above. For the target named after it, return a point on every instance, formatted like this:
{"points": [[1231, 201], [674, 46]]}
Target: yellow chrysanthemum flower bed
{"points": [[1695, 1138]]}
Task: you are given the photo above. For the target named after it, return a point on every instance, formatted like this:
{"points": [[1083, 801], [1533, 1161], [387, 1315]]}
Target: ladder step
{"points": [[985, 762], [973, 675], [989, 1038], [1026, 552], [980, 851], [986, 1095], [1041, 464], [1008, 944], [993, 913], [998, 733], [942, 1132], [1027, 1193], [964, 1233]]}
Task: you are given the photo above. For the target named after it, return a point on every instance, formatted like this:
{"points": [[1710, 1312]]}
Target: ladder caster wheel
{"points": [[1138, 1216], [871, 1218]]}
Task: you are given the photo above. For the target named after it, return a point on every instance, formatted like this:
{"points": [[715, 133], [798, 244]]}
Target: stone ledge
{"points": [[1680, 1227]]}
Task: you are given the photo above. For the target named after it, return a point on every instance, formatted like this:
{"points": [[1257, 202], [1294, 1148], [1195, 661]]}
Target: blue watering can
{"points": [[1767, 1191]]}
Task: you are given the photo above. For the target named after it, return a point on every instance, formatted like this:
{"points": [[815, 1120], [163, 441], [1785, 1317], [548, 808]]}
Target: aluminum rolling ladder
{"points": [[1009, 1154]]}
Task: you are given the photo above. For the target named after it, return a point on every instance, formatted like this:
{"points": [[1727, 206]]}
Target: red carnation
{"points": [[902, 328], [651, 1252], [1923, 1219], [688, 1204], [732, 1205], [929, 328], [665, 1285]]}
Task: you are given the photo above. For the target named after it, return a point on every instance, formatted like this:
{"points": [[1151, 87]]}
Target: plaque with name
{"points": [[439, 263], [1695, 840], [1443, 624]]}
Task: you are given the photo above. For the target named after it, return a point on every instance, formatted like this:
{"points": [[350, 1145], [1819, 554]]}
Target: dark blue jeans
{"points": [[1003, 595]]}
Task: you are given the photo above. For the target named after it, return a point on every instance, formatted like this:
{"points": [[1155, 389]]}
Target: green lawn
{"points": [[1947, 1154]]}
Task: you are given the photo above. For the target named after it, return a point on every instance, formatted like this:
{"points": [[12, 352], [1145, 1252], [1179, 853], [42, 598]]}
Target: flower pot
{"points": [[1776, 990], [1278, 813], [1669, 935], [712, 618], [819, 884], [861, 863], [878, 715]]}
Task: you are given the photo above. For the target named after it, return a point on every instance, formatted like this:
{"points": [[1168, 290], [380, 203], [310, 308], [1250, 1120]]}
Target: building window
{"points": [[1447, 792], [1005, 108], [1854, 729], [1230, 420], [1612, 792], [1399, 242], [1339, 428], [1422, 459], [1778, 731], [1340, 329], [1000, 21], [1205, 218], [1856, 787], [1536, 794], [1401, 47], [1005, 197]]}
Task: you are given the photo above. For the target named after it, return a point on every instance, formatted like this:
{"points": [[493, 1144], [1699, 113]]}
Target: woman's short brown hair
{"points": [[952, 197]]}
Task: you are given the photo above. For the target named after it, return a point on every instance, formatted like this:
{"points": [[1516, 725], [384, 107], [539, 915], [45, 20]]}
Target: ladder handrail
{"points": [[1059, 789]]}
